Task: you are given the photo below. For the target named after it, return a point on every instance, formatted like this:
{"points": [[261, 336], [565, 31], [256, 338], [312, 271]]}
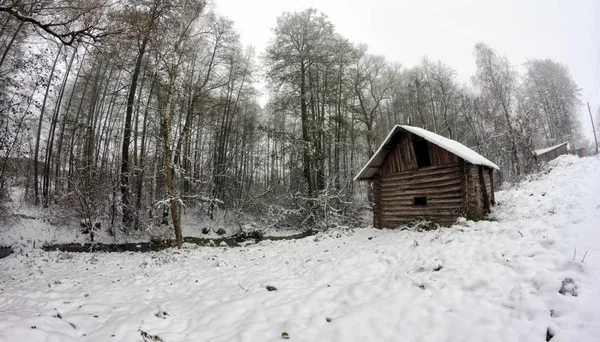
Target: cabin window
{"points": [[422, 153], [420, 201]]}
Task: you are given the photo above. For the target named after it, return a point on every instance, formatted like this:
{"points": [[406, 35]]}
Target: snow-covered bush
{"points": [[160, 233]]}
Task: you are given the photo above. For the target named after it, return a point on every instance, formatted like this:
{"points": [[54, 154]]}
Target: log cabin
{"points": [[545, 155], [418, 174]]}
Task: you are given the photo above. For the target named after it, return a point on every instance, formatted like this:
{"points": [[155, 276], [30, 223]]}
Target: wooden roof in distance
{"points": [[548, 149]]}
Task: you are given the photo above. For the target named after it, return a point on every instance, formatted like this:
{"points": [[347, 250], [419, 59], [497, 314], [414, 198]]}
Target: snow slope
{"points": [[484, 281]]}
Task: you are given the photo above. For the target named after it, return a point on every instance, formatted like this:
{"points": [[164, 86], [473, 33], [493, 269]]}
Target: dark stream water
{"points": [[155, 246]]}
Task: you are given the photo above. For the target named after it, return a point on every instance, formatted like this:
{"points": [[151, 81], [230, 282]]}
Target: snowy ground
{"points": [[485, 281]]}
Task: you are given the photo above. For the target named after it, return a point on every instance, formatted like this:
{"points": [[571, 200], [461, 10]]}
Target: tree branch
{"points": [[66, 38]]}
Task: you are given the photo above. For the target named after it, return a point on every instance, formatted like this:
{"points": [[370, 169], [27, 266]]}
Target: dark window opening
{"points": [[420, 201], [422, 153]]}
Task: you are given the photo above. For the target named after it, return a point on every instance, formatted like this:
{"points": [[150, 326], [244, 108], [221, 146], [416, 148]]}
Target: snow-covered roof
{"points": [[460, 150], [548, 149]]}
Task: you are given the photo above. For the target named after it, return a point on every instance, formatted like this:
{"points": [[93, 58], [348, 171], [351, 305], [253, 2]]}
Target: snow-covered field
{"points": [[477, 281]]}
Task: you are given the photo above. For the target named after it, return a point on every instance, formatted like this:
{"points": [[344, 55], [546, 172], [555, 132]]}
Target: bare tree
{"points": [[143, 25], [497, 79], [299, 43], [553, 100], [373, 80], [171, 56], [68, 21]]}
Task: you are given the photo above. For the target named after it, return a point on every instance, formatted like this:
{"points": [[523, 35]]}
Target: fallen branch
{"points": [[241, 286], [148, 337]]}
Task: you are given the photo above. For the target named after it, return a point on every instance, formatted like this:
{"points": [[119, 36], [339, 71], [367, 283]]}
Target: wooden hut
{"points": [[580, 152], [549, 153], [418, 174]]}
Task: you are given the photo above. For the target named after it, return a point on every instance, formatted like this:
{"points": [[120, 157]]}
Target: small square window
{"points": [[420, 201]]}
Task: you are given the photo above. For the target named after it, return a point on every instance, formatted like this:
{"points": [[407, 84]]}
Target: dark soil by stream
{"points": [[155, 246], [5, 251]]}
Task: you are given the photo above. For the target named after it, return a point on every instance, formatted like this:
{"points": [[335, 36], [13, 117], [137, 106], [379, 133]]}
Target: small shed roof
{"points": [[548, 149], [462, 151]]}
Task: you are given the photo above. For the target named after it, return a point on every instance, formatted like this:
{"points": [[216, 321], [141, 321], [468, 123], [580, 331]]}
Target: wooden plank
{"points": [[484, 190], [464, 187], [377, 204], [429, 183], [488, 184], [445, 211], [492, 185], [414, 175], [475, 204], [440, 156], [395, 224], [420, 180], [400, 158], [448, 187], [408, 206], [408, 200], [436, 201], [427, 192], [400, 220], [421, 192], [425, 171], [422, 186]]}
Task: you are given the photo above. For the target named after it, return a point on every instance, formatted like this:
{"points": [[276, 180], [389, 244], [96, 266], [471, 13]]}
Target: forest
{"points": [[128, 114]]}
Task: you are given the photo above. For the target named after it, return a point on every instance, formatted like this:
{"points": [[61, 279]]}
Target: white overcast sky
{"points": [[567, 31]]}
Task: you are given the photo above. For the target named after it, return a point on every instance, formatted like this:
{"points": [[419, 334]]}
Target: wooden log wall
{"points": [[475, 203], [377, 201], [489, 183], [480, 190], [402, 157], [442, 185], [439, 156]]}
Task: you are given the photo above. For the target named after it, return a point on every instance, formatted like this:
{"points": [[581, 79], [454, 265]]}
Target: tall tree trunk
{"points": [[58, 184], [39, 130], [305, 132], [173, 199], [50, 142], [124, 179], [141, 166], [71, 145]]}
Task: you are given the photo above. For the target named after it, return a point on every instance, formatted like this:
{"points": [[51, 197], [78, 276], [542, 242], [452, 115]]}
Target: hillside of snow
{"points": [[521, 276]]}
